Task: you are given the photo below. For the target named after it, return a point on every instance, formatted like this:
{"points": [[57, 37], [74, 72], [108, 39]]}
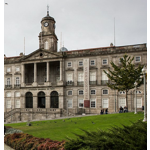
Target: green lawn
{"points": [[59, 129]]}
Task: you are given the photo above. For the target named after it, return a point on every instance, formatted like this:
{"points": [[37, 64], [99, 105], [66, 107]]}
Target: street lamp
{"points": [[135, 84], [145, 108]]}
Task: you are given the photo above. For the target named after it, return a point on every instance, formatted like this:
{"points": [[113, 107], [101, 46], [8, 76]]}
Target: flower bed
{"points": [[22, 141]]}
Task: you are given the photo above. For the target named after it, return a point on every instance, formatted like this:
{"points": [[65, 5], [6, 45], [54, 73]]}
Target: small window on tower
{"points": [[41, 54]]}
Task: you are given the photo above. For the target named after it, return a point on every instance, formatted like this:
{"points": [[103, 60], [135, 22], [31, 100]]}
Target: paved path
{"points": [[7, 147]]}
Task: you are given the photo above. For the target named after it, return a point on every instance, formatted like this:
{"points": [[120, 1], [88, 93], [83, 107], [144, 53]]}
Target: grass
{"points": [[62, 128]]}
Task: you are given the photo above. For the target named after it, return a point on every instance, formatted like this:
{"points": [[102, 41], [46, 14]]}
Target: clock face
{"points": [[46, 24]]}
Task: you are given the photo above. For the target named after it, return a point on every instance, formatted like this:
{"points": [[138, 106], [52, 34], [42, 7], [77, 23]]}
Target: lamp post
{"points": [[67, 108], [145, 107], [115, 100], [135, 98]]}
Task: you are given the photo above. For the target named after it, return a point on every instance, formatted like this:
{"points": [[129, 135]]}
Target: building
{"points": [[49, 84]]}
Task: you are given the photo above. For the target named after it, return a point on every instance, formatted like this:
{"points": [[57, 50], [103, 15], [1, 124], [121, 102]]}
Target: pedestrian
{"points": [[106, 110], [121, 109], [101, 112], [4, 130]]}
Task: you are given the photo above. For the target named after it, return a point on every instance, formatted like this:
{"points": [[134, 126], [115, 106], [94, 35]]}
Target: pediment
{"points": [[41, 54]]}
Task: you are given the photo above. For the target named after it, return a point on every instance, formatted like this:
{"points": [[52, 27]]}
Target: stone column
{"points": [[23, 74], [35, 74], [61, 70], [34, 101], [47, 101], [47, 71]]}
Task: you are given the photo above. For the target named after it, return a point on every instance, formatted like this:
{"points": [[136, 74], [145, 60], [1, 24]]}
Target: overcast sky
{"points": [[83, 23]]}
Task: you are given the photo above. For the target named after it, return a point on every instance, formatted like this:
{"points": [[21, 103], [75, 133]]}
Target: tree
{"points": [[124, 76]]}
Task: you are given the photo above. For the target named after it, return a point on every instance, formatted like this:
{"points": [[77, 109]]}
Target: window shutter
{"points": [[105, 102], [122, 102], [92, 76], [104, 76]]}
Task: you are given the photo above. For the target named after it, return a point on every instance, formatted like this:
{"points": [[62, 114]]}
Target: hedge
{"points": [[23, 141]]}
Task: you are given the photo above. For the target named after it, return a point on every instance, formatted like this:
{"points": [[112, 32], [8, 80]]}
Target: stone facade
{"points": [[48, 84]]}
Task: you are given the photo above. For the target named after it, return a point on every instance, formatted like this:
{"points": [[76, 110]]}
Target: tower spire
{"points": [[47, 10]]}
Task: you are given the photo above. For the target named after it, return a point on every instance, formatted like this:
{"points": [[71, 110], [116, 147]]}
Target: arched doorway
{"points": [[54, 100], [41, 100], [29, 100]]}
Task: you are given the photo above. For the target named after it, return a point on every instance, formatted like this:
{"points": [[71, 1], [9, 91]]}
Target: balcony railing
{"points": [[17, 85], [69, 83], [80, 83], [104, 82], [93, 82], [8, 86]]}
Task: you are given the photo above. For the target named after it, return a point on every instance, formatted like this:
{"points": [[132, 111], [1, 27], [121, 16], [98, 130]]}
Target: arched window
{"points": [[41, 100], [29, 100], [54, 100]]}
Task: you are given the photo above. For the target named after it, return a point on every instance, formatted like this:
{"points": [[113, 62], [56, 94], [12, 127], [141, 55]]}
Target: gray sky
{"points": [[83, 23]]}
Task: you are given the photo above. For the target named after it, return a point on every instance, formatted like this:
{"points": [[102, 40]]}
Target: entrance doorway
{"points": [[54, 100], [29, 100], [41, 100]]}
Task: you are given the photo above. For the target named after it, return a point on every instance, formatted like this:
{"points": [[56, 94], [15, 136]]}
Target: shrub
{"points": [[10, 130], [132, 137], [22, 141]]}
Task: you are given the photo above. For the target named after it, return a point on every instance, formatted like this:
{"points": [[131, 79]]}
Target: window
{"points": [[8, 81], [137, 58], [70, 103], [17, 94], [8, 94], [81, 92], [104, 61], [139, 102], [105, 102], [69, 64], [92, 76], [92, 63], [80, 63], [80, 76], [93, 92], [69, 77], [104, 76], [17, 69], [105, 91], [69, 92], [17, 81], [8, 69], [122, 102], [122, 92], [81, 103], [17, 104], [138, 92], [8, 103], [93, 103]]}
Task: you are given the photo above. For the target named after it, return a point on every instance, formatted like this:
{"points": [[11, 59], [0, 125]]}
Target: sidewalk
{"points": [[7, 147]]}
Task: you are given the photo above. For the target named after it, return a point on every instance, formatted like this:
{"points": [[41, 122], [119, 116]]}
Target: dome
{"points": [[63, 49], [48, 18]]}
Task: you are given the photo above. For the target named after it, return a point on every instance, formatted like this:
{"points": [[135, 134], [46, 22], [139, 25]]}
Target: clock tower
{"points": [[47, 38]]}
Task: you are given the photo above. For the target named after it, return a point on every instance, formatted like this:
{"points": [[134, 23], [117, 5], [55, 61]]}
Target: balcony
{"points": [[80, 83], [17, 85], [104, 82], [8, 86], [70, 83], [93, 82]]}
